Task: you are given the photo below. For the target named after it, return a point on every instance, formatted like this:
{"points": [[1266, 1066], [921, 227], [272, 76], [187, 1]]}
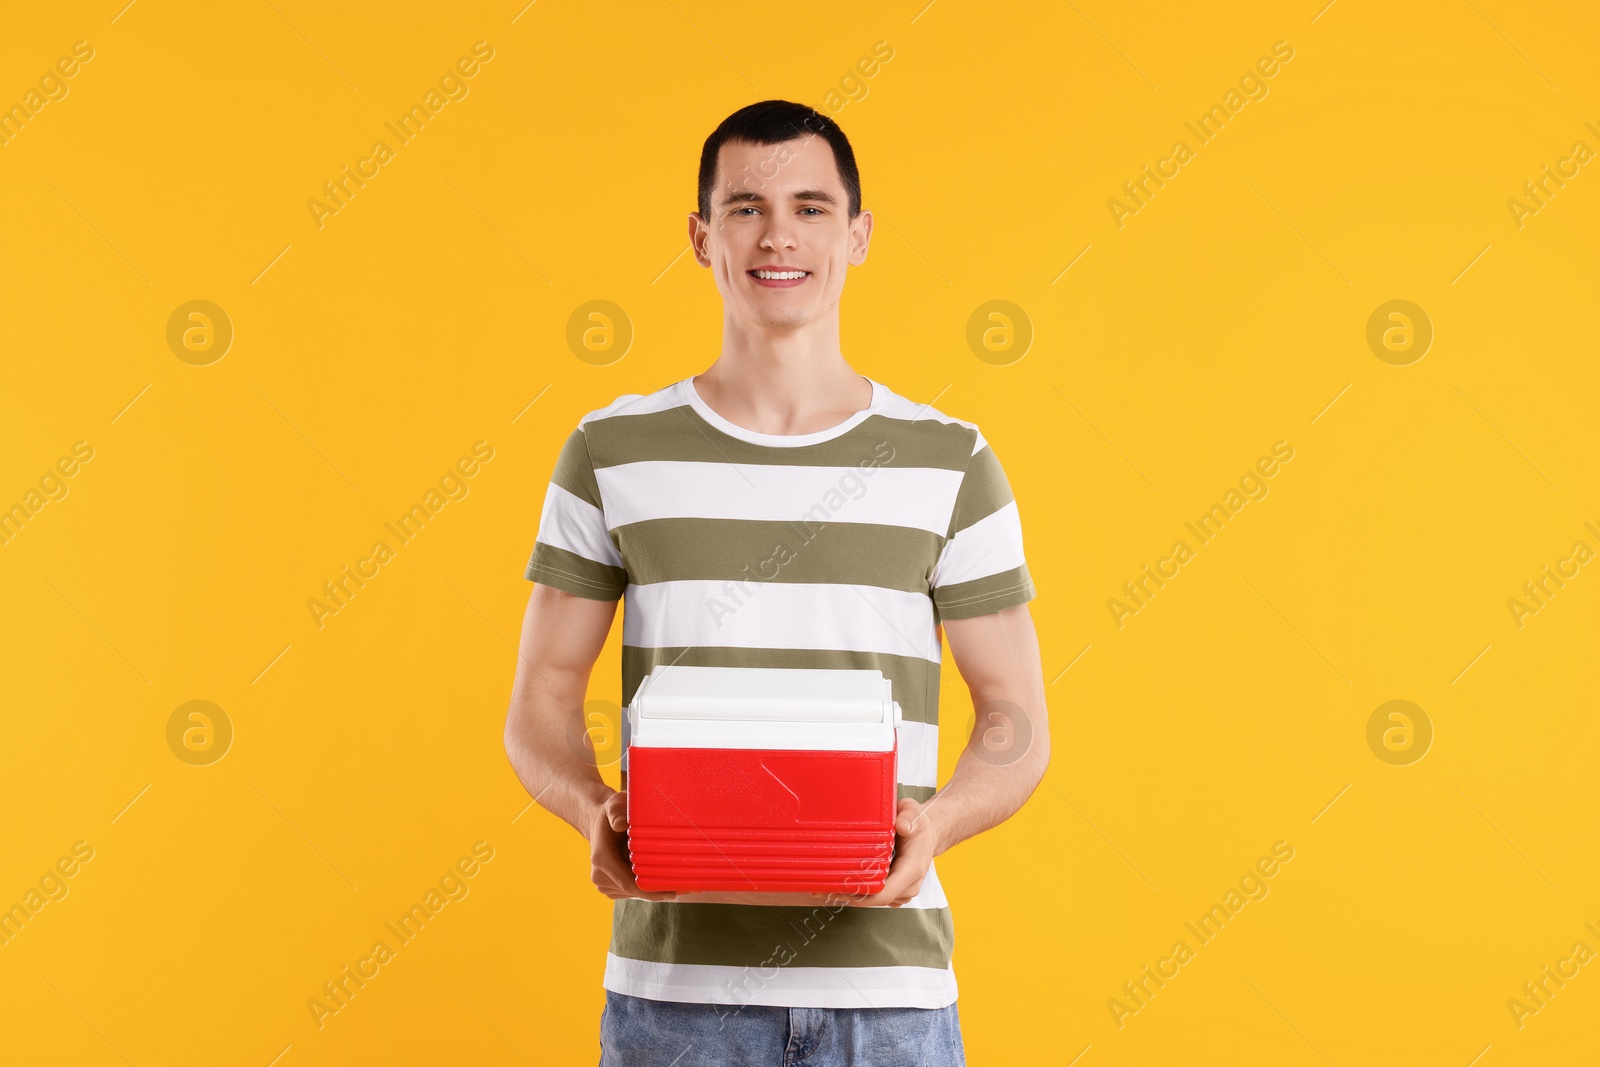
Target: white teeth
{"points": [[780, 275]]}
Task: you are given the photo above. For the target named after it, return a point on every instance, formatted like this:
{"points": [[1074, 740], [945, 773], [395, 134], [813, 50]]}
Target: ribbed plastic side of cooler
{"points": [[760, 820]]}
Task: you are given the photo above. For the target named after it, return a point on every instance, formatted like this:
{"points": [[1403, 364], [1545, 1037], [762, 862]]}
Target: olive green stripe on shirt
{"points": [[992, 592], [573, 573], [748, 935], [984, 491], [681, 434], [914, 681], [573, 471], [749, 552]]}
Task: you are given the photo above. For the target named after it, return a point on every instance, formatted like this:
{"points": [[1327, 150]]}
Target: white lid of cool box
{"points": [[680, 706]]}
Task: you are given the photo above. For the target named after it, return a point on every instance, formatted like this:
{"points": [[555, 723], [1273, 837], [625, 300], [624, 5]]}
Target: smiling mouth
{"points": [[779, 279]]}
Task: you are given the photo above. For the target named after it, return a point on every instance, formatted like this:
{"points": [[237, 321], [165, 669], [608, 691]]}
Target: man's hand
{"points": [[612, 873], [998, 656], [609, 868], [916, 843]]}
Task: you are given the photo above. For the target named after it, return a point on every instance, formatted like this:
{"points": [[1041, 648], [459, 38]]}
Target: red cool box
{"points": [[761, 779]]}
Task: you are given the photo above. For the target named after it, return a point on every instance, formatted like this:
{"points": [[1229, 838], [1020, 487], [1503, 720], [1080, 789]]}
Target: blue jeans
{"points": [[635, 1032]]}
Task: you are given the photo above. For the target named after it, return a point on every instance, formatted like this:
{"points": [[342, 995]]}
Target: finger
{"points": [[898, 885], [908, 896], [898, 873], [886, 892], [621, 872], [905, 811], [618, 810], [857, 890], [630, 886], [631, 889], [615, 887], [616, 870]]}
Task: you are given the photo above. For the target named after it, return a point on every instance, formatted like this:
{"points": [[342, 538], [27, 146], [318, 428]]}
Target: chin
{"points": [[784, 320]]}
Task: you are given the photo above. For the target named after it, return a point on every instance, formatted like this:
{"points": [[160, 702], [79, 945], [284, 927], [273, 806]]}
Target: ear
{"points": [[860, 237], [699, 234]]}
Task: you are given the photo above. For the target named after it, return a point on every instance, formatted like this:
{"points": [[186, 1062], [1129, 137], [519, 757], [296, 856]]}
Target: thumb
{"points": [[906, 816], [619, 811]]}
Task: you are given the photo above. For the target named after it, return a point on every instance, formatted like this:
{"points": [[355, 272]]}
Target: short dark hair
{"points": [[774, 122]]}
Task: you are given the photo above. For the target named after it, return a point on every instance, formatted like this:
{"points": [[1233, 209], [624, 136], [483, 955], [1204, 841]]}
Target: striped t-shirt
{"points": [[838, 549]]}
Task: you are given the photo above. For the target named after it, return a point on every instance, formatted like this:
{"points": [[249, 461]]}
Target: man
{"points": [[781, 510]]}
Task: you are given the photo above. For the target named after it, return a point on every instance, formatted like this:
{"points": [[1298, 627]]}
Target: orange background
{"points": [[431, 312]]}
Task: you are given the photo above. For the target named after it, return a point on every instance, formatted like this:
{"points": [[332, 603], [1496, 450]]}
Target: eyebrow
{"points": [[819, 195]]}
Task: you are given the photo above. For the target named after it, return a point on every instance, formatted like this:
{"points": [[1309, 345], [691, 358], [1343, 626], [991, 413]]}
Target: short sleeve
{"points": [[982, 568], [573, 550]]}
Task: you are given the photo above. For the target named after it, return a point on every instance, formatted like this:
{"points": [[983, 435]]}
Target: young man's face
{"points": [[779, 206]]}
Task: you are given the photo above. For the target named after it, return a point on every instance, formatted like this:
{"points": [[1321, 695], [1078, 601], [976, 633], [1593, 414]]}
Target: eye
{"points": [[738, 211], [818, 210]]}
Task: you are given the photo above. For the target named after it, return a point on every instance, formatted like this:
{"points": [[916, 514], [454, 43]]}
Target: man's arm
{"points": [[562, 635], [1005, 758]]}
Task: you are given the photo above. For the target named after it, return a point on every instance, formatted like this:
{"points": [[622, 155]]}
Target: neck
{"points": [[783, 383]]}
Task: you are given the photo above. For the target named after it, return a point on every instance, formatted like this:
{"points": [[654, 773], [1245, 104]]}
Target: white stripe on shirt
{"points": [[711, 614], [989, 546], [783, 986], [918, 497], [572, 523]]}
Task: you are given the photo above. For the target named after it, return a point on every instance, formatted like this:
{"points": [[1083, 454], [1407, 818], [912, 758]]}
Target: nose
{"points": [[779, 234]]}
